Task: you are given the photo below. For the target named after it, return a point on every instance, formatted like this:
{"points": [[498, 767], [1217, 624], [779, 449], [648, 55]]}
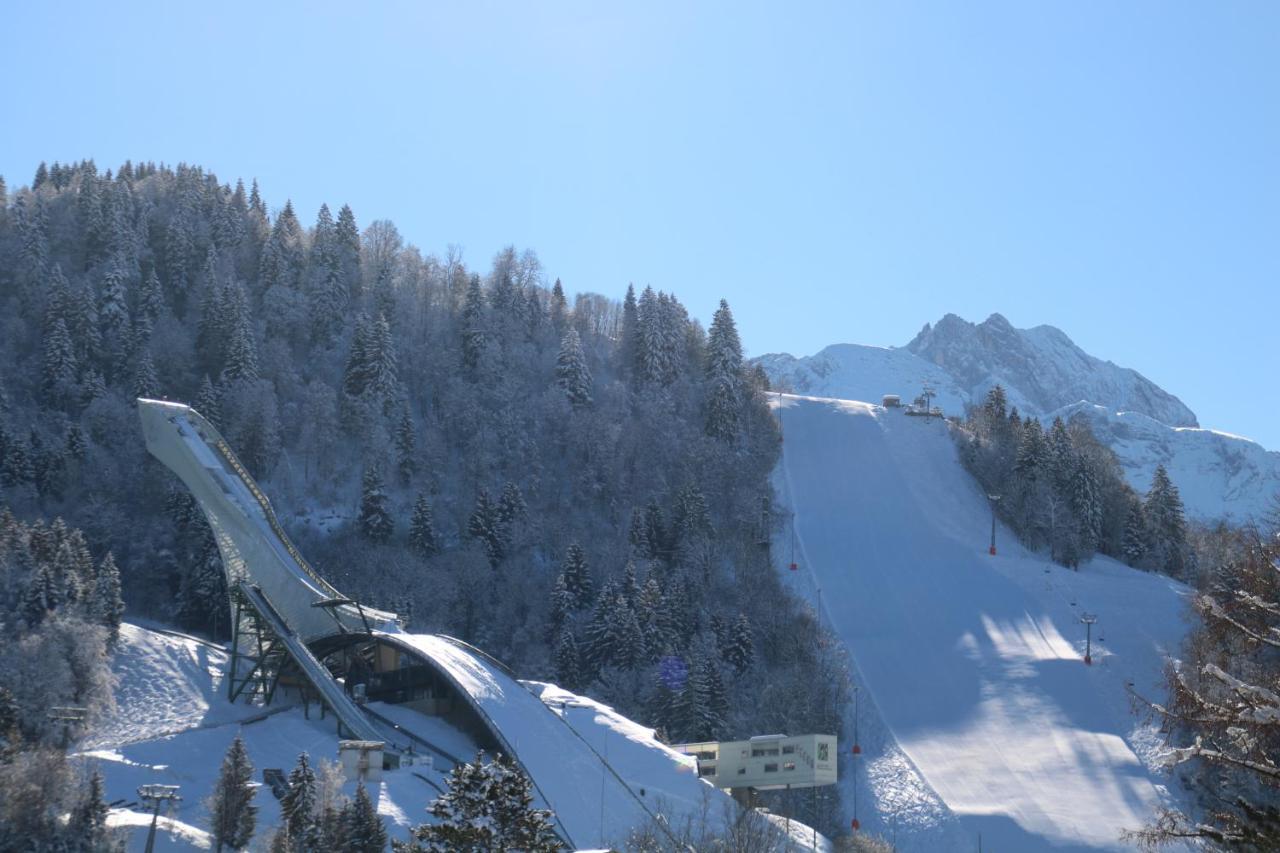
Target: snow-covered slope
{"points": [[1045, 374], [1041, 369], [603, 773], [972, 664], [857, 372]]}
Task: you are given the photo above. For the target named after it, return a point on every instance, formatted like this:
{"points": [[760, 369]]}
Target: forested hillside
{"points": [[577, 485]]}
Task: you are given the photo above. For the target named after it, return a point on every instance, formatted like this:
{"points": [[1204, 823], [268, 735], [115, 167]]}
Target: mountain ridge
{"points": [[1045, 374]]}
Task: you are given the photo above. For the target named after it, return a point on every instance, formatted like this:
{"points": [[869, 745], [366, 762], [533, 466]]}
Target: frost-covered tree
{"points": [[740, 648], [488, 807], [107, 607], [59, 364], [567, 661], [374, 520], [406, 448], [572, 373], [422, 529], [577, 577], [1166, 524], [1222, 716], [299, 805], [232, 814], [362, 830]]}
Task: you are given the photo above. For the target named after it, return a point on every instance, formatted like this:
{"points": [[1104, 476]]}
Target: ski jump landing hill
{"points": [[600, 776], [970, 667]]}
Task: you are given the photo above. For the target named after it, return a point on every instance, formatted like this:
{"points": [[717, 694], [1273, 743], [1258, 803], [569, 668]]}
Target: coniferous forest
{"points": [[578, 484]]}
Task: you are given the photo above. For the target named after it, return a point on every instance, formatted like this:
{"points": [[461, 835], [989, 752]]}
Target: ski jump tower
{"points": [[279, 604], [287, 618]]}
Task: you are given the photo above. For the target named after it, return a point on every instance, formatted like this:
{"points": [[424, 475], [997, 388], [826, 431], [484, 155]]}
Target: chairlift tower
{"points": [[1088, 619], [157, 795]]}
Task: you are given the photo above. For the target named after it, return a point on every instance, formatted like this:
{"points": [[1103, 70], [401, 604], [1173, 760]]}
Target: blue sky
{"points": [[840, 172]]}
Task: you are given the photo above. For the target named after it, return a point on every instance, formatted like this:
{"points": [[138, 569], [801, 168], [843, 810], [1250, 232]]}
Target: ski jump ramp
{"points": [[601, 780]]}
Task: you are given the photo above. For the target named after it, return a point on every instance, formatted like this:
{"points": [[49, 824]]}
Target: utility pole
{"points": [[1088, 619], [156, 794], [993, 499], [928, 400], [857, 750]]}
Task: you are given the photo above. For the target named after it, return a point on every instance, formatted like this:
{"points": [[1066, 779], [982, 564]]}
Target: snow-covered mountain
{"points": [[1219, 475], [1044, 368], [1045, 374]]}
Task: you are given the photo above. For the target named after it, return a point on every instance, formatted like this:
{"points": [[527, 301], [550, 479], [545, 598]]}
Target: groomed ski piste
{"points": [[978, 718], [602, 775]]}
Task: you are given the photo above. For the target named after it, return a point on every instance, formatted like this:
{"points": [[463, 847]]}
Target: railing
{"points": [[270, 515]]}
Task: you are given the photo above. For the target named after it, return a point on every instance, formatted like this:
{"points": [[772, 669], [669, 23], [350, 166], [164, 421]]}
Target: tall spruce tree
{"points": [[374, 519], [362, 830], [300, 804], [232, 814], [572, 374], [487, 808], [422, 530]]}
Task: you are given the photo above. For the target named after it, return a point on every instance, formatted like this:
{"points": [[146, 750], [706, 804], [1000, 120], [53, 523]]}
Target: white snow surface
{"points": [[974, 697], [602, 773]]}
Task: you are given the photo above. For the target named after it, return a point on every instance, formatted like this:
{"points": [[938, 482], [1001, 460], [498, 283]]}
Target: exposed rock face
{"points": [[1042, 365]]}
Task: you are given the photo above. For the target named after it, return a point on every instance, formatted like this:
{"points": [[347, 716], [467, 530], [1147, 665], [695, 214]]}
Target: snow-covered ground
{"points": [[977, 713], [600, 771]]}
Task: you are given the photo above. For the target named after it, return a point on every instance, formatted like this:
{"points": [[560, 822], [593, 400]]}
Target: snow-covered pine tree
{"points": [[242, 351], [724, 373], [232, 814], [107, 607], [355, 378], [713, 701], [382, 372], [362, 828], [511, 506], [1136, 536], [572, 374], [629, 343], [208, 402], [567, 662], [406, 447], [740, 649], [151, 297], [87, 823], [1166, 524], [1086, 506], [145, 382], [422, 530], [488, 807], [577, 577], [58, 379], [560, 609], [559, 308], [474, 335], [374, 519], [299, 805]]}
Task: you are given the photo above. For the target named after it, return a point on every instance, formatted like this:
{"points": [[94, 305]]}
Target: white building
{"points": [[767, 762], [361, 759]]}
